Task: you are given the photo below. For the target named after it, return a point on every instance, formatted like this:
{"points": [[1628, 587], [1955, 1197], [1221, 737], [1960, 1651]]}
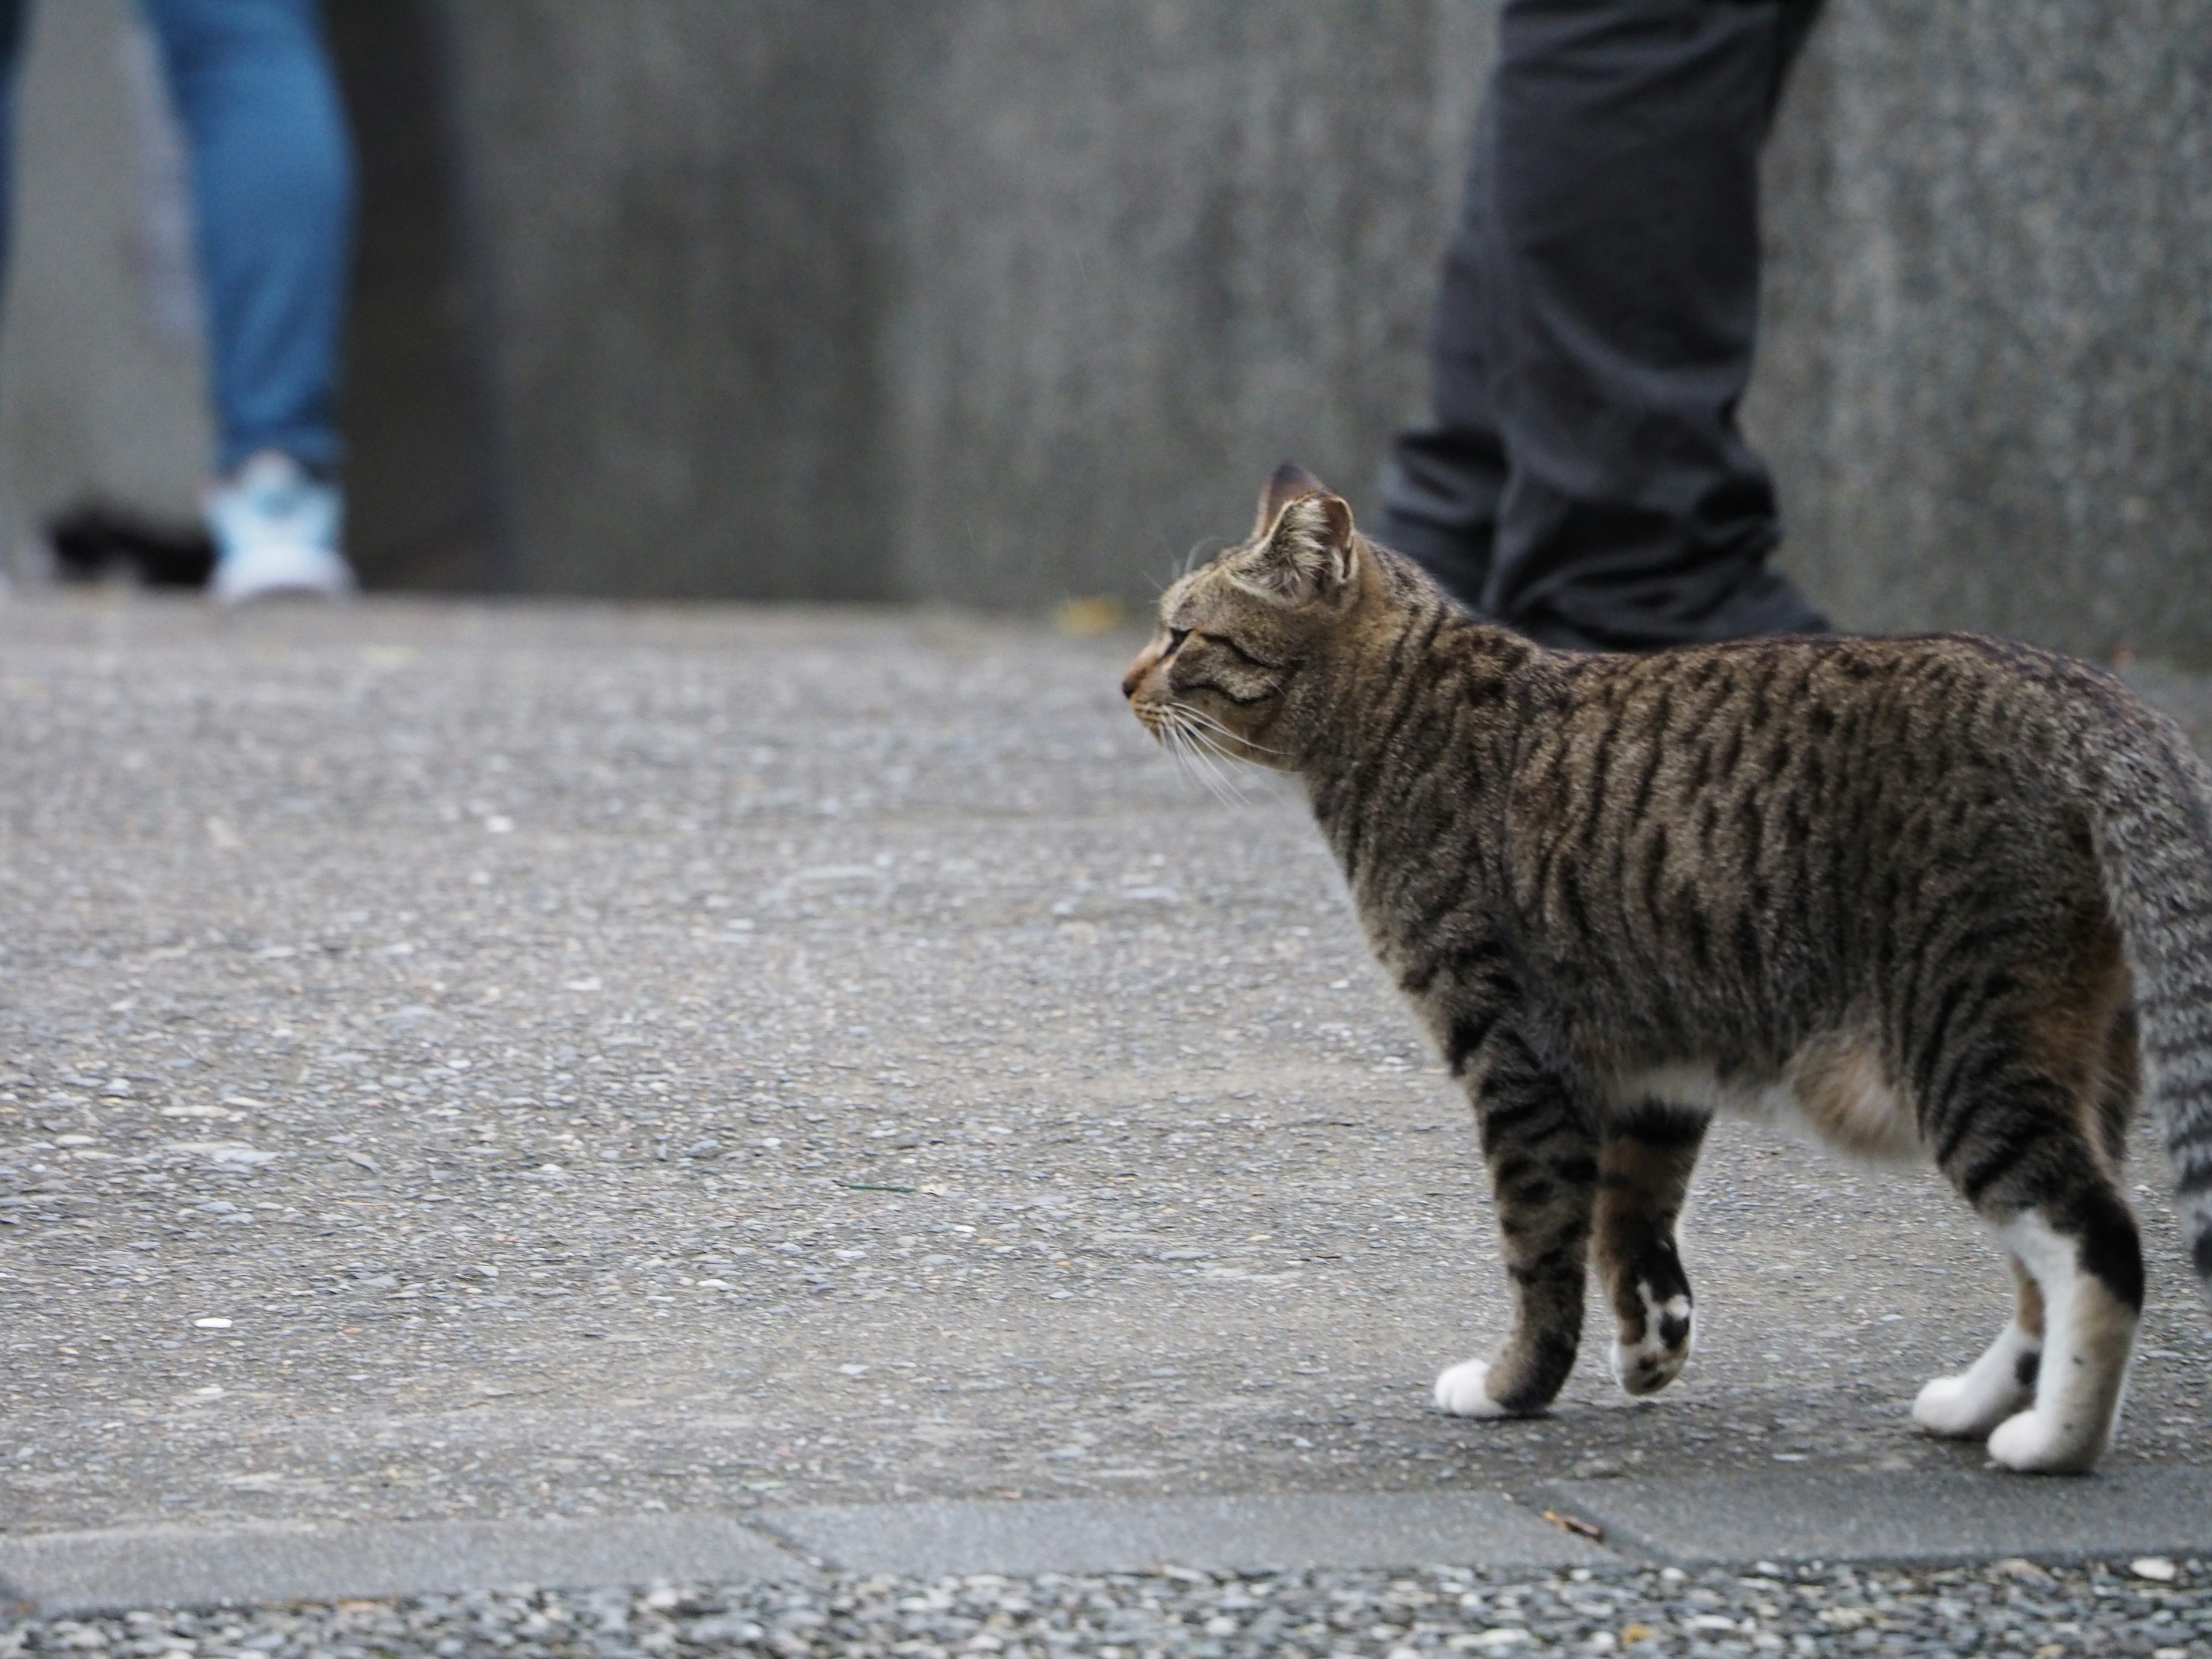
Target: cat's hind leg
{"points": [[1644, 1163], [1541, 1146], [2086, 1261], [2026, 1148], [1996, 1385]]}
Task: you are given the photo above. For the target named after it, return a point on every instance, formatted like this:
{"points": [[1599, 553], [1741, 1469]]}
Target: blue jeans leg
{"points": [[273, 188]]}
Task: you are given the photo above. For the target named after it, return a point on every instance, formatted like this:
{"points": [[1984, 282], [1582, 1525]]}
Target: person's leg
{"points": [[1604, 293], [1627, 213], [272, 184], [1444, 482]]}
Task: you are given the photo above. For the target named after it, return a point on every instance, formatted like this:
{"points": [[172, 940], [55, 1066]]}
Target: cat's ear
{"points": [[1308, 553], [1285, 485]]}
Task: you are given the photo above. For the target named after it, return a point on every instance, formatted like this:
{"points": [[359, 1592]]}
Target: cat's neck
{"points": [[1426, 690]]}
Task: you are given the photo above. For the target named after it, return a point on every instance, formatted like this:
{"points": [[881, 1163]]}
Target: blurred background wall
{"points": [[1986, 380], [102, 366], [997, 303], [976, 300], [100, 360]]}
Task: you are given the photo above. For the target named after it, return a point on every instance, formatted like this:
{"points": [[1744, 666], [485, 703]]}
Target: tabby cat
{"points": [[1946, 897]]}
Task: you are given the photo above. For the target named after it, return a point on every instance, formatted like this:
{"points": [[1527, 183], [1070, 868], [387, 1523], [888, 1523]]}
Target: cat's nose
{"points": [[1130, 681]]}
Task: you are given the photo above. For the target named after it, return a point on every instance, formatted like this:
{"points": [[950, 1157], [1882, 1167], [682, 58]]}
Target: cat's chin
{"points": [[1463, 1390]]}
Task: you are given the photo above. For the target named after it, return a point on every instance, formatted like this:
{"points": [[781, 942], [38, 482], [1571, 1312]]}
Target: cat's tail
{"points": [[2151, 818]]}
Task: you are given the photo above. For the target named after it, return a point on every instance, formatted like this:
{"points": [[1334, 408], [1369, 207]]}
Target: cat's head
{"points": [[1242, 636]]}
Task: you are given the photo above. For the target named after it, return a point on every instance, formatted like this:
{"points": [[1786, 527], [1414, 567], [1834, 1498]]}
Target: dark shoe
{"points": [[94, 540]]}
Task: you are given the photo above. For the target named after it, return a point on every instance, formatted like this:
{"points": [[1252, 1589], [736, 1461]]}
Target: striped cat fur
{"points": [[1945, 897]]}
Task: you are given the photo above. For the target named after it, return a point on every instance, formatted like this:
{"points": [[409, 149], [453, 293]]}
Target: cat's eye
{"points": [[1175, 637]]}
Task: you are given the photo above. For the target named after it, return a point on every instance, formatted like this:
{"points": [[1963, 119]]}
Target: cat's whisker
{"points": [[1207, 751], [1171, 739], [1209, 744], [1224, 789], [1179, 744], [1208, 760], [1205, 545], [1206, 720], [1186, 754]]}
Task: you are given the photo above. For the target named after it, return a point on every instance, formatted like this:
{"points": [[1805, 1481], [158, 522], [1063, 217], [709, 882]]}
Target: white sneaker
{"points": [[277, 532]]}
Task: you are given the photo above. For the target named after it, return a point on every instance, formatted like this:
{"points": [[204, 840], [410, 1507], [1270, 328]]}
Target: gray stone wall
{"points": [[103, 377], [979, 301], [1145, 252], [678, 220], [1987, 378]]}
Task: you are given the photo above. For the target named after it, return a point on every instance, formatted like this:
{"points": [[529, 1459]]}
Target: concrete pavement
{"points": [[528, 1063]]}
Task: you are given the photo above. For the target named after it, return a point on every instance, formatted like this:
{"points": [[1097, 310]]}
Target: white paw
{"points": [[1463, 1390], [1657, 1357], [1962, 1406], [2033, 1443], [1648, 1367]]}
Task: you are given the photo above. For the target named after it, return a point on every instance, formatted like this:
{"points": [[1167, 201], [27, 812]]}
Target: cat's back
{"points": [[1805, 723], [1756, 817]]}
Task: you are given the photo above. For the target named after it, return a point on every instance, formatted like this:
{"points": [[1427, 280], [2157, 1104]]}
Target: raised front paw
{"points": [[1646, 1361], [1463, 1390]]}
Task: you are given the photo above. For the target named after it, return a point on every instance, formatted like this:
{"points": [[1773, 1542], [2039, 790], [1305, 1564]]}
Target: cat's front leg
{"points": [[1541, 1142], [1644, 1164]]}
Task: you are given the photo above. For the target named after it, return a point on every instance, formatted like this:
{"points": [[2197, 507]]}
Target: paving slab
{"points": [[1383, 1530], [124, 1568], [1915, 1519]]}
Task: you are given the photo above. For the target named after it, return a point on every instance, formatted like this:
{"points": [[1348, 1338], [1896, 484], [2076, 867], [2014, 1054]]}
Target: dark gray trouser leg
{"points": [[1584, 479]]}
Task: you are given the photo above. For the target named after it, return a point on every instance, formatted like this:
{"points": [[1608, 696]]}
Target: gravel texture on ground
{"points": [[503, 1061], [2157, 1608]]}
